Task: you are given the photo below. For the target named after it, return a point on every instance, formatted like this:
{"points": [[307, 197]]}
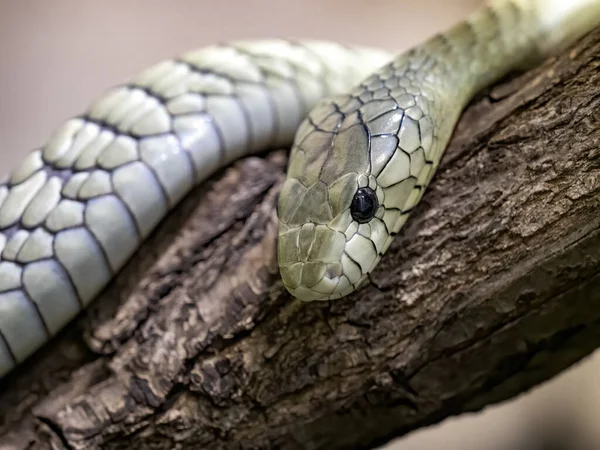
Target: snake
{"points": [[367, 131]]}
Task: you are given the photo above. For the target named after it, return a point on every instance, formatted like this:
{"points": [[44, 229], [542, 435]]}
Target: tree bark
{"points": [[492, 287]]}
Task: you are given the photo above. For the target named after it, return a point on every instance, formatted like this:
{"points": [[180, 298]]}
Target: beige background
{"points": [[58, 55]]}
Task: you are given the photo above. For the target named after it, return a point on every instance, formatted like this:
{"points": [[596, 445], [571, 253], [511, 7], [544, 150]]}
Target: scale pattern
{"points": [[389, 134], [77, 209]]}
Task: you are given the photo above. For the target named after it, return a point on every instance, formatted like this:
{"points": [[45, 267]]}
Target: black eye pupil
{"points": [[364, 205]]}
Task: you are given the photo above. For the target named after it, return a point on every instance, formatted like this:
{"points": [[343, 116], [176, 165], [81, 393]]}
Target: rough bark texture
{"points": [[491, 288]]}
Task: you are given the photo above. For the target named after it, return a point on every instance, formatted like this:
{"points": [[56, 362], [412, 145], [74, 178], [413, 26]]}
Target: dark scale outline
{"points": [[4, 185], [18, 221], [54, 258], [276, 119], [194, 69], [388, 93], [196, 180], [113, 128], [425, 162], [317, 128], [322, 76], [162, 190], [325, 72], [402, 180], [234, 96], [90, 173], [23, 290], [356, 263], [80, 298], [419, 130], [304, 108], [44, 226], [223, 157], [131, 217], [10, 350], [24, 263], [382, 112], [155, 174], [336, 110], [295, 68], [9, 184], [369, 79], [393, 233], [17, 229], [387, 112], [402, 211], [221, 45], [368, 132], [293, 43], [8, 233], [76, 197], [387, 230], [63, 174], [114, 135], [250, 145], [148, 90], [335, 134], [300, 101], [21, 266], [163, 101], [387, 135], [368, 238], [397, 146]]}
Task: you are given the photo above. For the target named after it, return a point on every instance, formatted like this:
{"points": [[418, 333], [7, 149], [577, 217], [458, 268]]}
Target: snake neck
{"points": [[504, 36]]}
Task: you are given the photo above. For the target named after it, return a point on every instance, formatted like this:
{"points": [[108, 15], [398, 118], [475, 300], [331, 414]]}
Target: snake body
{"points": [[77, 209]]}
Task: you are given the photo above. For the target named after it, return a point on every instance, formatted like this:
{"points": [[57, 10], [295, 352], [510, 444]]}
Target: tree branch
{"points": [[491, 288]]}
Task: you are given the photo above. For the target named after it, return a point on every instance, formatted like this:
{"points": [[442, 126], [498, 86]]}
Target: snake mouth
{"points": [[311, 264], [310, 281], [313, 281]]}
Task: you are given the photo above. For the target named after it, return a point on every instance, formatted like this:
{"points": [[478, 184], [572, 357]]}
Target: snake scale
{"points": [[368, 132]]}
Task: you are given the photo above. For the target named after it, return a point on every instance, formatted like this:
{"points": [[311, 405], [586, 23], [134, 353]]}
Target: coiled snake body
{"points": [[76, 209]]}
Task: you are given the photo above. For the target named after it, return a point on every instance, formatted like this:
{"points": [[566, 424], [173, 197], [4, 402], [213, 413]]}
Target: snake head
{"points": [[331, 227], [329, 236]]}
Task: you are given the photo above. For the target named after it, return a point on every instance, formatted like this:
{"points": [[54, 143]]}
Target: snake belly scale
{"points": [[369, 135]]}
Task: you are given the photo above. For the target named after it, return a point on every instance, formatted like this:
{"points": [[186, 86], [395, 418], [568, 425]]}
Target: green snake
{"points": [[367, 131]]}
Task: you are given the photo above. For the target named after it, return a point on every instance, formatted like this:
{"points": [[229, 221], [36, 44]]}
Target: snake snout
{"points": [[310, 262], [309, 274], [312, 280]]}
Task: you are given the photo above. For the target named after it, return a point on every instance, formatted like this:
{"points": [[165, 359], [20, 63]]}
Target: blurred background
{"points": [[57, 56]]}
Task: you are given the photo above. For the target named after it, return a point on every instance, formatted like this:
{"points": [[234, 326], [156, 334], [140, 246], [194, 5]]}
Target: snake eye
{"points": [[364, 205]]}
